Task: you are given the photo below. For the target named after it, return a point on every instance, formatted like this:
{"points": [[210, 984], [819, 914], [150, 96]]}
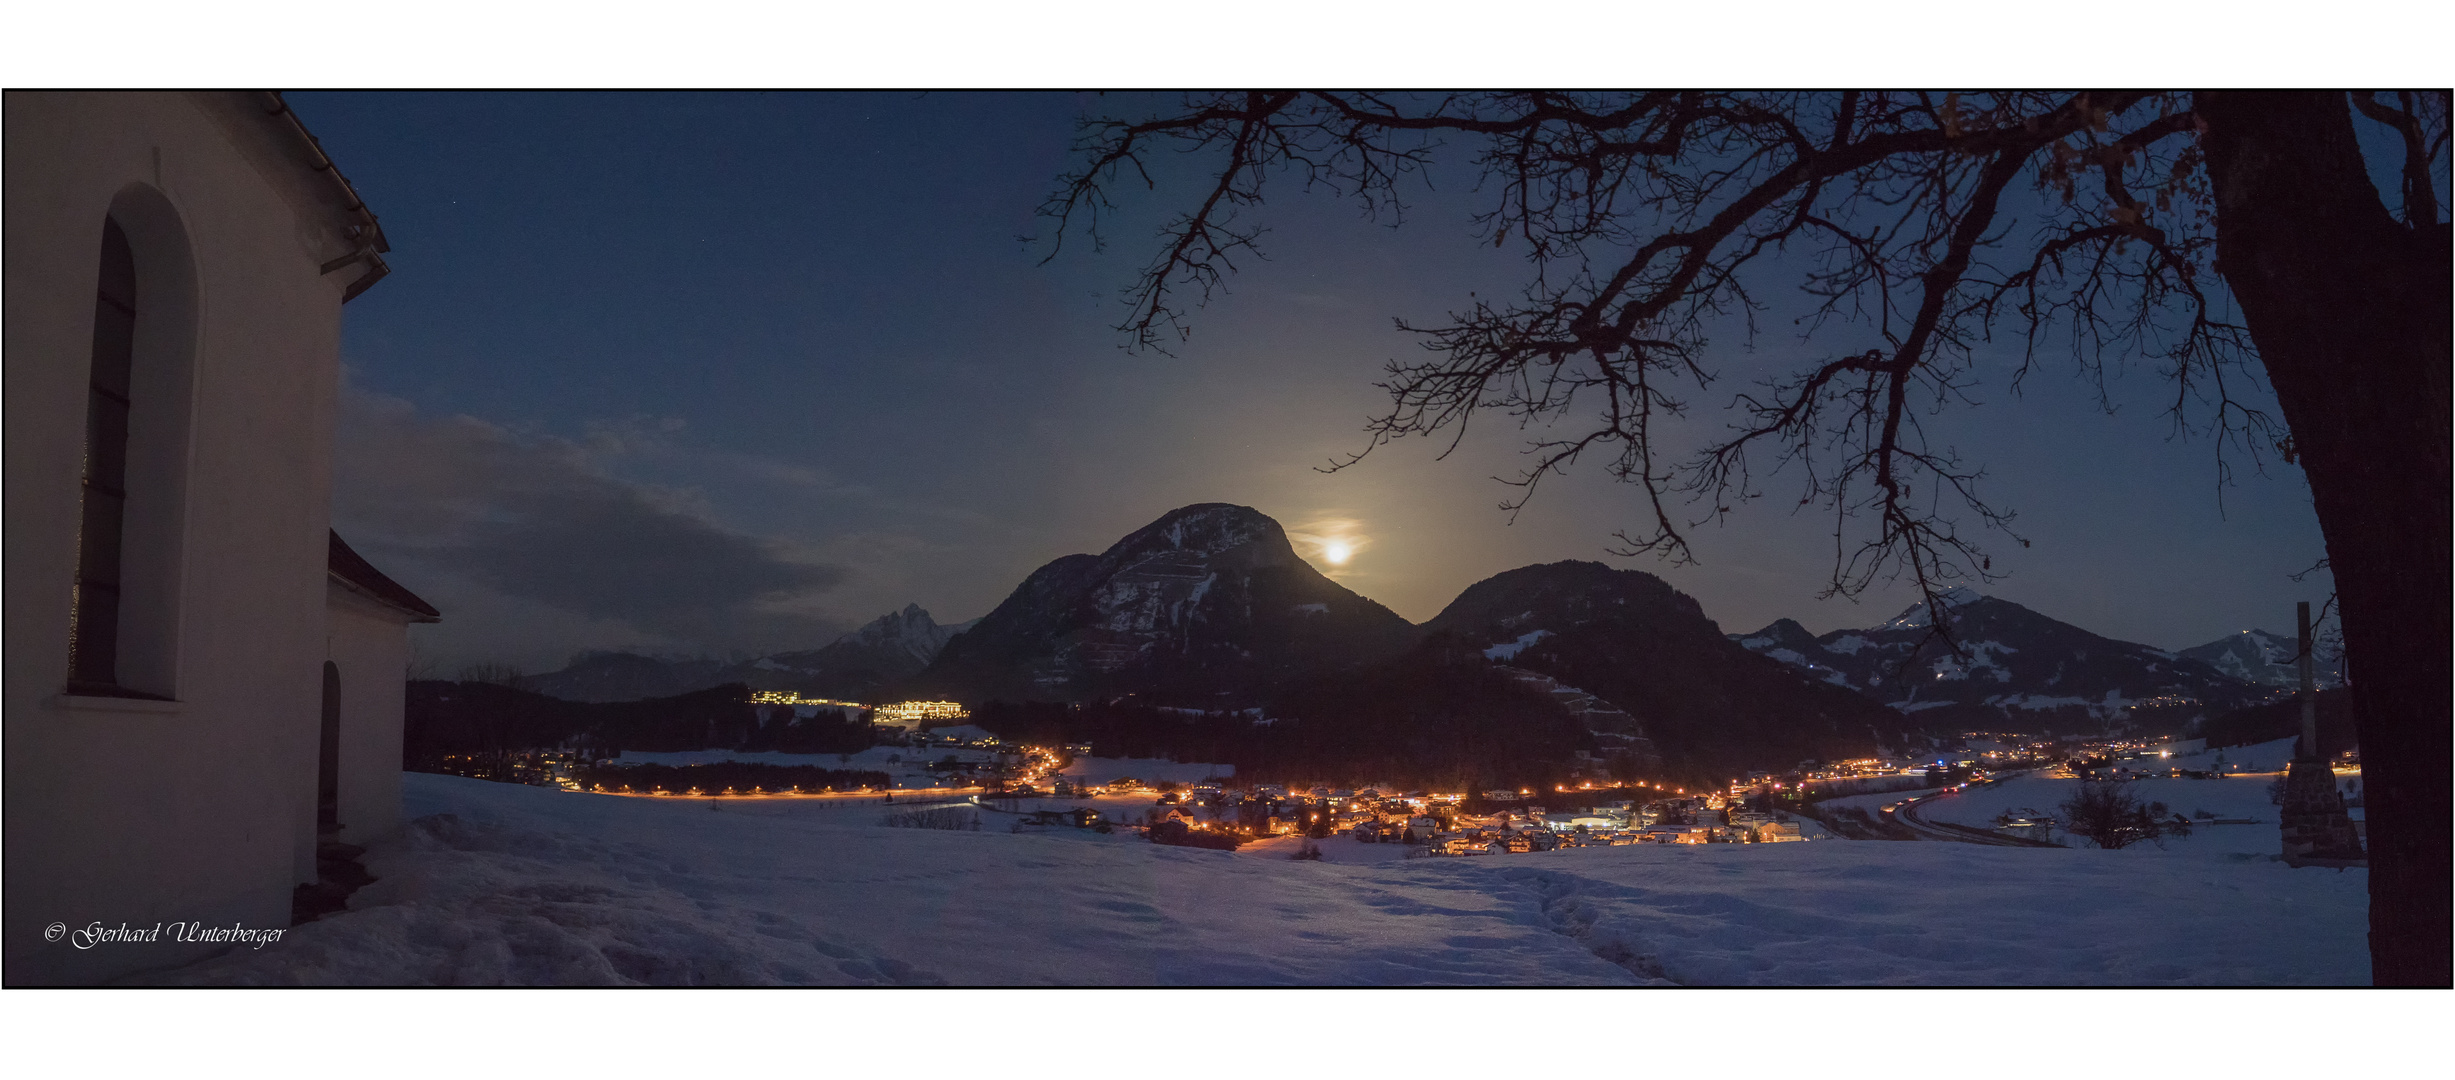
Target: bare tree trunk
{"points": [[2350, 310]]}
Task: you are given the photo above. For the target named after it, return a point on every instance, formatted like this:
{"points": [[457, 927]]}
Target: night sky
{"points": [[735, 373]]}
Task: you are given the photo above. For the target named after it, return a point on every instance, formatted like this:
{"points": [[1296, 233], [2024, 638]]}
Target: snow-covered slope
{"points": [[499, 884], [2264, 658], [2018, 670], [2234, 799]]}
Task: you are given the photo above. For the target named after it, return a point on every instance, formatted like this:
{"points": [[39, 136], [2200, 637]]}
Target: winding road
{"points": [[1906, 814]]}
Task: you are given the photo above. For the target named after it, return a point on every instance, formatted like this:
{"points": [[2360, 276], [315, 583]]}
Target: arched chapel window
{"points": [[93, 635]]}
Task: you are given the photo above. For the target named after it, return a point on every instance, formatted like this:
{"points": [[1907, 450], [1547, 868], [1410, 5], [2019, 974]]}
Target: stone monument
{"points": [[2317, 831]]}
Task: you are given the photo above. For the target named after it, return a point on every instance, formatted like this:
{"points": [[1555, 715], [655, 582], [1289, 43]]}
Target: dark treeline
{"points": [[479, 718], [1439, 717], [2283, 720], [715, 777], [1176, 834]]}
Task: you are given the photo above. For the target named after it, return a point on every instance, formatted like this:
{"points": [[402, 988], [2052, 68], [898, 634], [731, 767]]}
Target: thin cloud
{"points": [[470, 505]]}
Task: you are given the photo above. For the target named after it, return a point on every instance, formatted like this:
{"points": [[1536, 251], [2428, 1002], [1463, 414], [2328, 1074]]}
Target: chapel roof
{"points": [[358, 575]]}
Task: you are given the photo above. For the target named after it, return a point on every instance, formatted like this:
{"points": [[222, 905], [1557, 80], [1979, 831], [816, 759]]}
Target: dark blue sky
{"points": [[738, 371]]}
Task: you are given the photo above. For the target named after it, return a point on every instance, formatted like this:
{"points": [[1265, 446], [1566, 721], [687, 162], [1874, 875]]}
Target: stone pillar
{"points": [[2308, 748], [2317, 831]]}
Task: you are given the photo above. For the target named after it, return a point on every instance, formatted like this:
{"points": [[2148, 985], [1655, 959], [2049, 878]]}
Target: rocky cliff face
{"points": [[857, 666], [1208, 606]]}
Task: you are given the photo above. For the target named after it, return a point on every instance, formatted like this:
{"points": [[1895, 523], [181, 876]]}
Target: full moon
{"points": [[1336, 551]]}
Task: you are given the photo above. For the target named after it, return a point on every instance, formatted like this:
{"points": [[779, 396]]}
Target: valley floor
{"points": [[502, 884]]}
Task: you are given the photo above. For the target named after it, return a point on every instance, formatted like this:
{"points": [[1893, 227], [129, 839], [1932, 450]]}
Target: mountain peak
{"points": [[1207, 600], [1206, 529], [2012, 668], [2270, 659], [1916, 616], [1780, 633], [1630, 640], [1558, 595], [912, 622]]}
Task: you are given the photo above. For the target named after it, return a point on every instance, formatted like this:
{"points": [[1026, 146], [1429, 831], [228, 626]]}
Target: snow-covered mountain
{"points": [[890, 648], [894, 646], [1656, 667], [1209, 606], [2019, 670], [2264, 658]]}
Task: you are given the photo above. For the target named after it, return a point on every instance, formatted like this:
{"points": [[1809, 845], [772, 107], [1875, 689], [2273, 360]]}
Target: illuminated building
{"points": [[788, 697], [907, 713]]}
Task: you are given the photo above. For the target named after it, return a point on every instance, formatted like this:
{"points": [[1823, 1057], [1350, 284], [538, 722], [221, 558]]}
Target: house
{"points": [[1380, 832], [204, 682], [1080, 817], [2027, 824]]}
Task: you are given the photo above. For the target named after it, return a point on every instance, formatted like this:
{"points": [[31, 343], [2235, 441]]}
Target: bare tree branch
{"points": [[1923, 223]]}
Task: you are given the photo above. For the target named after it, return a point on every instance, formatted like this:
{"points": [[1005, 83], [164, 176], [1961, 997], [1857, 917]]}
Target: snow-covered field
{"points": [[497, 884], [2232, 797]]}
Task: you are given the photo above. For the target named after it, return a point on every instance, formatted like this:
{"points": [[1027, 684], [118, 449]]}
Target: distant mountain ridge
{"points": [[1208, 606], [894, 646], [2019, 671], [2264, 658], [604, 675], [854, 667]]}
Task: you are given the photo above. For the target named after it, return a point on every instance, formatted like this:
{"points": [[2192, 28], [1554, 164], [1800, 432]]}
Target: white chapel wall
{"points": [[200, 808]]}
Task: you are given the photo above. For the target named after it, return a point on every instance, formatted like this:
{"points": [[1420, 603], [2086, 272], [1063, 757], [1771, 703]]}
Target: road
{"points": [[1906, 814]]}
